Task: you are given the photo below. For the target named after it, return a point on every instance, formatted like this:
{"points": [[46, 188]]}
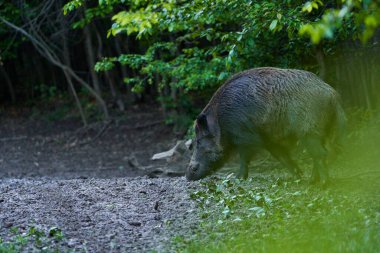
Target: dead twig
{"points": [[99, 134], [73, 142]]}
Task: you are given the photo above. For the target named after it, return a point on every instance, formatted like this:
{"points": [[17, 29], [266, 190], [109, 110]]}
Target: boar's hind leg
{"points": [[282, 154], [318, 152]]}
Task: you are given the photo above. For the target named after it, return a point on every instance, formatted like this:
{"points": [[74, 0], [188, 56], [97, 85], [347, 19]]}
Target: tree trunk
{"points": [[118, 46], [320, 56], [66, 59], [119, 52], [91, 59], [9, 84], [114, 92]]}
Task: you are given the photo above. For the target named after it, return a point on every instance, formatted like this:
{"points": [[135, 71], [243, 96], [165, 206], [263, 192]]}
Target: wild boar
{"points": [[272, 109]]}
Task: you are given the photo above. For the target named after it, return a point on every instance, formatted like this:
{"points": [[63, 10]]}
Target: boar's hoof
{"points": [[242, 175]]}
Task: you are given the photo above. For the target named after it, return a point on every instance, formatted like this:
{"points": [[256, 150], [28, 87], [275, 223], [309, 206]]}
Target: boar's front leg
{"points": [[245, 157]]}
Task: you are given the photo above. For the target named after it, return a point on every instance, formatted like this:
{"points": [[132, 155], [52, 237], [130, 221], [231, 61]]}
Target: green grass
{"points": [[268, 214]]}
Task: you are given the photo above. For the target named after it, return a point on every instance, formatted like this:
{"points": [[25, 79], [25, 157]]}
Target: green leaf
{"points": [[371, 21], [307, 7], [72, 5], [273, 25]]}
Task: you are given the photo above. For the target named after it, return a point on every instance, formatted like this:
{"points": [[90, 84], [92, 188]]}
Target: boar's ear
{"points": [[207, 125], [202, 124]]}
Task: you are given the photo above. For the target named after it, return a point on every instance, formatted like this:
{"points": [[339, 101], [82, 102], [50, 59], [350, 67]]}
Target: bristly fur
{"points": [[279, 102]]}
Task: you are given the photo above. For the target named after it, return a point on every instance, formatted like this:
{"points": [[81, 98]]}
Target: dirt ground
{"points": [[101, 215], [65, 150], [98, 184]]}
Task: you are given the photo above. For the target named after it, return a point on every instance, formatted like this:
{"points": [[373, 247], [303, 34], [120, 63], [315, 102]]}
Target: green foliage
{"points": [[72, 5], [309, 6], [279, 216], [354, 18], [140, 22], [199, 44], [210, 39], [40, 241], [105, 64], [230, 195]]}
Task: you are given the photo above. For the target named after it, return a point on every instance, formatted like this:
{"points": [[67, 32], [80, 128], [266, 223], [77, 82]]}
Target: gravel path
{"points": [[101, 215]]}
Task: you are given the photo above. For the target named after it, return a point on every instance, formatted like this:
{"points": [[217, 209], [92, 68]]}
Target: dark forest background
{"points": [[95, 59]]}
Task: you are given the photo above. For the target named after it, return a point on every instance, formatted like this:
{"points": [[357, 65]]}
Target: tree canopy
{"points": [[193, 44]]}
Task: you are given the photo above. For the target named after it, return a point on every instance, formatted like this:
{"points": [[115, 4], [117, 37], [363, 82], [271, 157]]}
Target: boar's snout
{"points": [[192, 172]]}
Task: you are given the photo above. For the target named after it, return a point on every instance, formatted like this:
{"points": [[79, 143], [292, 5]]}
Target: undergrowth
{"points": [[34, 239]]}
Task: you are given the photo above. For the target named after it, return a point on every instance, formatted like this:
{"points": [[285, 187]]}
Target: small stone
{"points": [[8, 224], [111, 236], [134, 223], [86, 219], [72, 242]]}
